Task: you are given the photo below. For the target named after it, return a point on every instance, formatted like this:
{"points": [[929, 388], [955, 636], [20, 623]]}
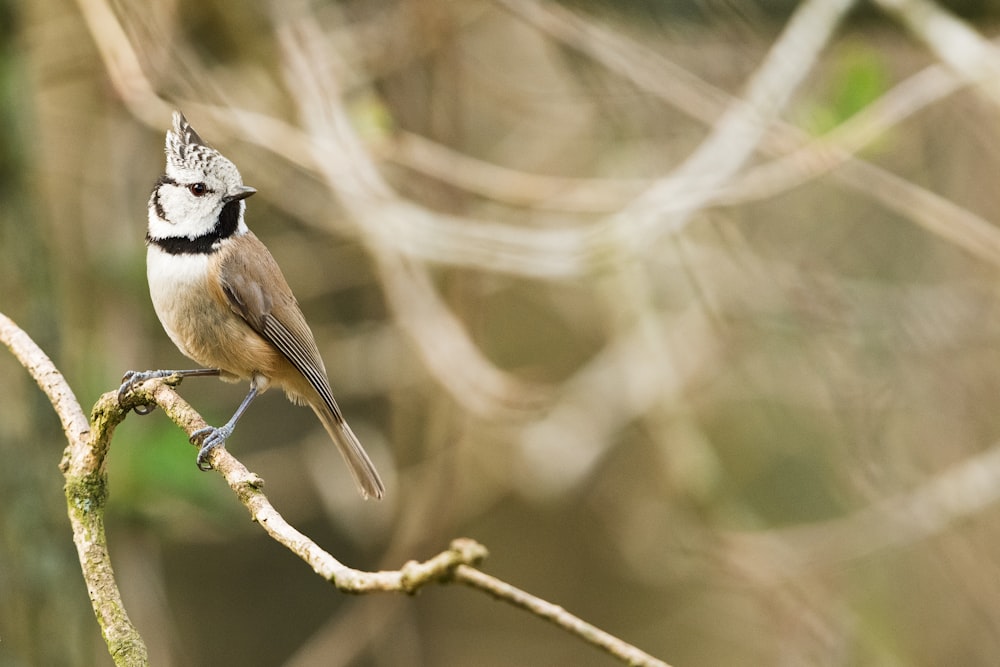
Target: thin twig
{"points": [[501, 590]]}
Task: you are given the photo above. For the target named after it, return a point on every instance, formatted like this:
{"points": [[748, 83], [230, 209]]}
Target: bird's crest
{"points": [[185, 148]]}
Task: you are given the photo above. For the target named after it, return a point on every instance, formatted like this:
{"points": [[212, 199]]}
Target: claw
{"points": [[173, 378], [209, 438], [132, 378], [127, 381]]}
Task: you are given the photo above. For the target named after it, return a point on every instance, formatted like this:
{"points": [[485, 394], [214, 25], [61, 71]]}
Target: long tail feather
{"points": [[354, 454]]}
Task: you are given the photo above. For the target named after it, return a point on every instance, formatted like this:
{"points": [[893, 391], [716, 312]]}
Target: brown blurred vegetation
{"points": [[752, 422]]}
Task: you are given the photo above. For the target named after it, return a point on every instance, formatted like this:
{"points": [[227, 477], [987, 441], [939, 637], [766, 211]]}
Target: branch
{"points": [[83, 465], [455, 564], [627, 653], [86, 493], [248, 487], [650, 72]]}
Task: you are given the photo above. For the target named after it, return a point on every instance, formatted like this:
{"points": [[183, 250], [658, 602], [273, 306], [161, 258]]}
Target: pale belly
{"points": [[202, 327]]}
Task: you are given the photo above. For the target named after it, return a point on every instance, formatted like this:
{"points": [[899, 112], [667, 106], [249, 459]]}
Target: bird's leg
{"points": [[211, 437], [132, 378]]}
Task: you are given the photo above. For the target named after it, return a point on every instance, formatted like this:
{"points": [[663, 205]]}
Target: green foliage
{"points": [[152, 476], [859, 75]]}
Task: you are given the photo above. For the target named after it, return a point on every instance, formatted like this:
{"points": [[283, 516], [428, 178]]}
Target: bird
{"points": [[223, 301]]}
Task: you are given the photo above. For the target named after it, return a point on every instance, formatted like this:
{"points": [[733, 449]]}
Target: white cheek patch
{"points": [[177, 212], [158, 227]]}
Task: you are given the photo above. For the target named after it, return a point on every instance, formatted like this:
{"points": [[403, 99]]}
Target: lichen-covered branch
{"points": [[86, 493]]}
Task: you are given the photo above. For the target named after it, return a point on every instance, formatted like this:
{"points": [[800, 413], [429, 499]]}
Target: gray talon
{"points": [[209, 438], [132, 378]]}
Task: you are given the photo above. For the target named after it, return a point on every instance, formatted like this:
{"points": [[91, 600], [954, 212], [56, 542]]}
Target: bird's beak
{"points": [[241, 192]]}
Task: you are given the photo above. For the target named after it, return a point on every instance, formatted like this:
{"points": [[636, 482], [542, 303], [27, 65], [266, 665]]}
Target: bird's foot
{"points": [[209, 438], [132, 378]]}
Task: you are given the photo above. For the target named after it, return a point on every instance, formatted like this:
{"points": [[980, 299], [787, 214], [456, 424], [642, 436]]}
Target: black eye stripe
{"points": [[166, 180]]}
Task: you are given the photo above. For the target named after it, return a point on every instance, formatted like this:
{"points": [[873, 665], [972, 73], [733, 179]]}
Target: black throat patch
{"points": [[225, 226]]}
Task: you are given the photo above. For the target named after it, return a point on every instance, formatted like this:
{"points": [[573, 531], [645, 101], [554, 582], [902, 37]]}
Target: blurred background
{"points": [[689, 311]]}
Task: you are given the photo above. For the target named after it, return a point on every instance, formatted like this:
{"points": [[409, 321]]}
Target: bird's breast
{"points": [[193, 311], [178, 288]]}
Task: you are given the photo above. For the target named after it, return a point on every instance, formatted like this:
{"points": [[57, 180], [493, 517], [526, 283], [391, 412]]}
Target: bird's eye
{"points": [[198, 189]]}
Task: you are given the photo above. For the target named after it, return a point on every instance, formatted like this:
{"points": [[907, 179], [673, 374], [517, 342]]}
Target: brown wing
{"points": [[258, 293]]}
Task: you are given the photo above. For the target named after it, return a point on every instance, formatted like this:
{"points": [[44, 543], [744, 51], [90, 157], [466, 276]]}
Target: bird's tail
{"points": [[354, 454]]}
